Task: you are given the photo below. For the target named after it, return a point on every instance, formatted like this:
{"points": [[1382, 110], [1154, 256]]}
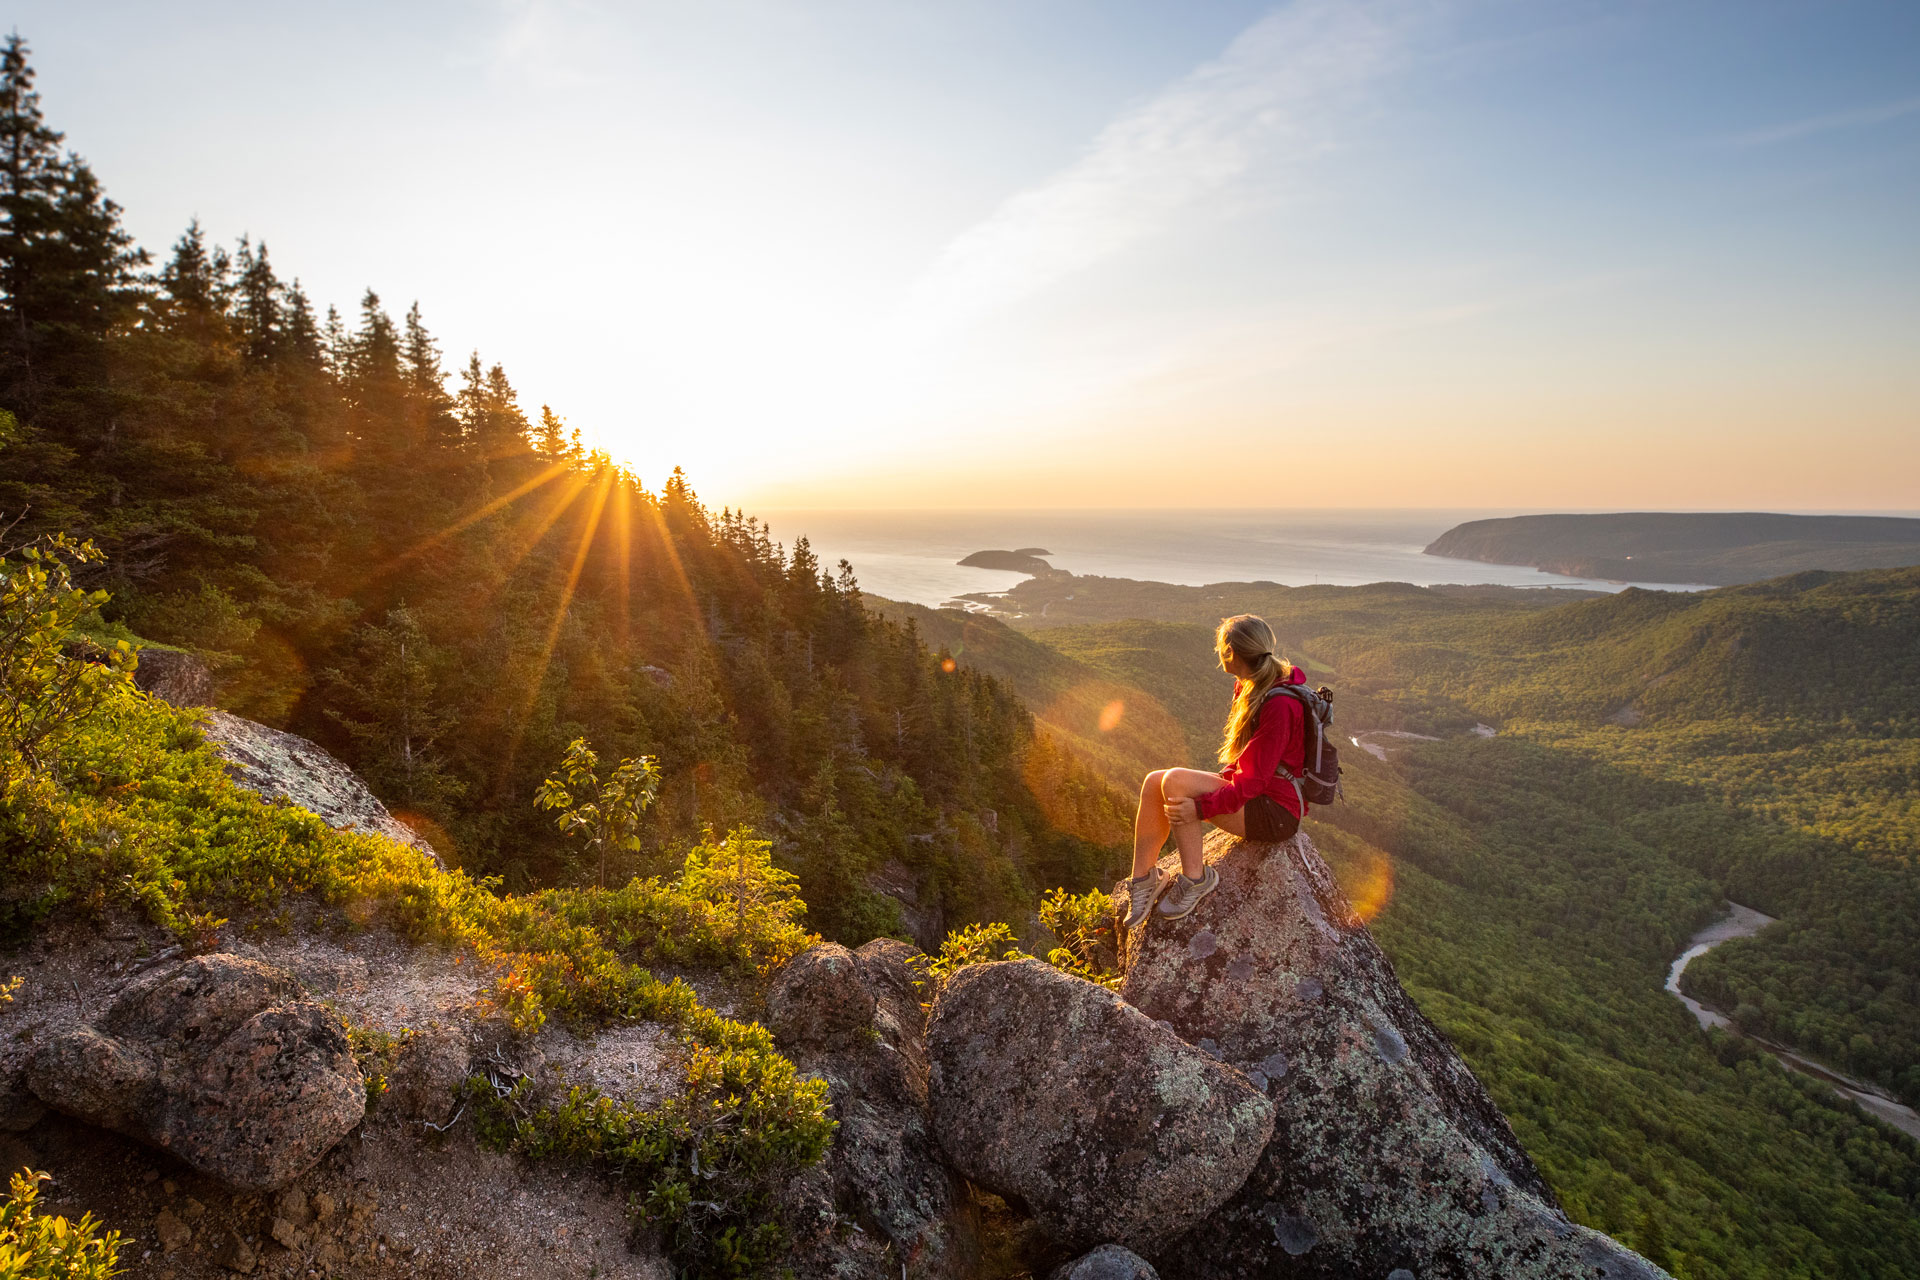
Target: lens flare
{"points": [[1110, 715], [948, 665], [432, 832], [1372, 887]]}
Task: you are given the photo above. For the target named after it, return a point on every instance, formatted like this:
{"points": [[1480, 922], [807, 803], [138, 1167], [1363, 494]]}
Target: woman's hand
{"points": [[1182, 810]]}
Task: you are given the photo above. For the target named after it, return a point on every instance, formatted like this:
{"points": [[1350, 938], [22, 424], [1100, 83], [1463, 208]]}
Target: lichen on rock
{"points": [[218, 1060], [283, 766], [853, 1018], [1110, 1129], [1387, 1155]]}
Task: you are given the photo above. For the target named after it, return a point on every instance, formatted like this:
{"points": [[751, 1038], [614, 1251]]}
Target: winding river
{"points": [[1744, 922]]}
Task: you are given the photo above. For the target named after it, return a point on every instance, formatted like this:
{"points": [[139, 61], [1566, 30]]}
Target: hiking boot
{"points": [[1186, 894], [1141, 891]]}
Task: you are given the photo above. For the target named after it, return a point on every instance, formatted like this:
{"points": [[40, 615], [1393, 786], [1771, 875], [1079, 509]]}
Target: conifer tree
{"points": [[336, 345], [552, 441], [305, 343], [470, 402], [195, 284], [388, 705], [259, 314], [66, 264], [429, 409], [505, 426], [374, 383]]}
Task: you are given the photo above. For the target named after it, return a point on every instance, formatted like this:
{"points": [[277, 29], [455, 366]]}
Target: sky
{"points": [[1578, 254]]}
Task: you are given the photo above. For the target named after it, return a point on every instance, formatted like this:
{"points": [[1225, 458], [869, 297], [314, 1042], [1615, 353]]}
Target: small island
{"points": [[1026, 560], [1703, 548]]}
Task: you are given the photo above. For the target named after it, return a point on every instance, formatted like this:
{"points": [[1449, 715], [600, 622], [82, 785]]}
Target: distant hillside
{"points": [[1718, 548]]}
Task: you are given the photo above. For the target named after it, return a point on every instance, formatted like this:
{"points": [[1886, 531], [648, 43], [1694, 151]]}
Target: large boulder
{"points": [[1049, 1089], [853, 1018], [820, 998], [1387, 1157], [218, 1060], [283, 766], [174, 676]]}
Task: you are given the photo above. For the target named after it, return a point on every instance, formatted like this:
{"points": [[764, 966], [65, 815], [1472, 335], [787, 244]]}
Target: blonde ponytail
{"points": [[1250, 639]]}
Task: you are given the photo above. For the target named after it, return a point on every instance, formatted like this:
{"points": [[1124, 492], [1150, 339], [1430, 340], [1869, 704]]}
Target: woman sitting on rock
{"points": [[1250, 797]]}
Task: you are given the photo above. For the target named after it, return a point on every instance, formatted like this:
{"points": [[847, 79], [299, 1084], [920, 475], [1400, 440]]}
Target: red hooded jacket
{"points": [[1280, 736]]}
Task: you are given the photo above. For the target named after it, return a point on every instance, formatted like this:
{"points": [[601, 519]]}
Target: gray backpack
{"points": [[1320, 782]]}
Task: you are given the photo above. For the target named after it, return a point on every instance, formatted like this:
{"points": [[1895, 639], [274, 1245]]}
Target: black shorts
{"points": [[1268, 822]]}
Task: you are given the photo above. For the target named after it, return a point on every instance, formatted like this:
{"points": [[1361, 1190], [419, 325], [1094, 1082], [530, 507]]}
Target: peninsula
{"points": [[1706, 548]]}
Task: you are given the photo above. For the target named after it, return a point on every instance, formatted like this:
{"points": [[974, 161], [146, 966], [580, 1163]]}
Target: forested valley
{"points": [[445, 587], [1654, 754]]}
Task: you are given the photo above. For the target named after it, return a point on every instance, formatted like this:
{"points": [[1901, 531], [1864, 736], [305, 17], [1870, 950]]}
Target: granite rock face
{"points": [[1108, 1262], [1049, 1089], [853, 1018], [1387, 1156], [174, 677], [217, 1059], [820, 998], [276, 765]]}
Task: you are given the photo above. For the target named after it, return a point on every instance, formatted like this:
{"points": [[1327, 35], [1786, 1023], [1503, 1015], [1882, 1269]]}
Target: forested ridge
{"points": [[444, 587]]}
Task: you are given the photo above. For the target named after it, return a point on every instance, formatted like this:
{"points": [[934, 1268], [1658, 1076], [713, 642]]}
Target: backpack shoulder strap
{"points": [[1310, 726]]}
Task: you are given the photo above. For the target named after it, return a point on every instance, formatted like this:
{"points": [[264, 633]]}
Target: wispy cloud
{"points": [[1280, 92], [1856, 119], [544, 43]]}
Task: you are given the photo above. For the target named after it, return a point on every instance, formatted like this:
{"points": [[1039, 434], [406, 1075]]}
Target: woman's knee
{"points": [[1179, 784], [1151, 784]]}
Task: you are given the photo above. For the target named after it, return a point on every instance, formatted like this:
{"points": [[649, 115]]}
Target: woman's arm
{"points": [[1276, 739]]}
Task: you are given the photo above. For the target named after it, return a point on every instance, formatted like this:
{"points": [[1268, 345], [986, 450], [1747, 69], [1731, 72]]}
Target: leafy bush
{"points": [[44, 686], [607, 811], [34, 1247], [975, 944], [1083, 923]]}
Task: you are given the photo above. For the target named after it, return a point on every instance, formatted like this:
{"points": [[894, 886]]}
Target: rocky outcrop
{"points": [[218, 1060], [276, 765], [820, 999], [1110, 1129], [1108, 1262], [853, 1018], [1387, 1156], [174, 676]]}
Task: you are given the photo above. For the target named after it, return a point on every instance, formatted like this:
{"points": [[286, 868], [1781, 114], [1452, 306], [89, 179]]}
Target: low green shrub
{"points": [[36, 1247], [1083, 924], [705, 1166]]}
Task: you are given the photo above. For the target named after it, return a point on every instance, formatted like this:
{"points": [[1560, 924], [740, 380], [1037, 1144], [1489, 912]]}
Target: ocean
{"points": [[912, 555]]}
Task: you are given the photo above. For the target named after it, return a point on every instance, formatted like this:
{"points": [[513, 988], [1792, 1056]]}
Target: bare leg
{"points": [[1149, 824], [1184, 784]]}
